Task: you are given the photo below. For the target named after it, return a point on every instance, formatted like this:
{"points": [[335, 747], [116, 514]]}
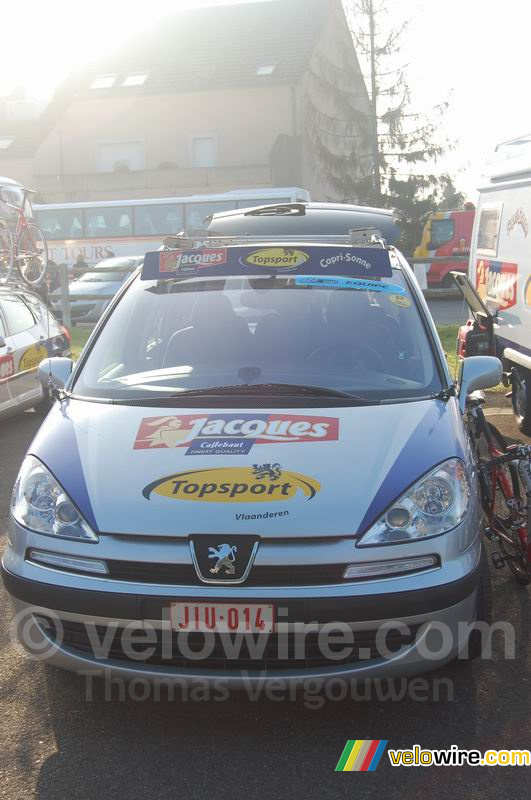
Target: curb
{"points": [[442, 294]]}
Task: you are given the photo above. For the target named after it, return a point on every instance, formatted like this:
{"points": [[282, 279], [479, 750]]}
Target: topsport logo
{"points": [[261, 483], [190, 260], [276, 257], [232, 433]]}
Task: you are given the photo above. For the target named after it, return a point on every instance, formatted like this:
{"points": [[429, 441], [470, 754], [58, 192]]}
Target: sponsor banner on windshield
{"points": [[352, 262], [234, 434]]}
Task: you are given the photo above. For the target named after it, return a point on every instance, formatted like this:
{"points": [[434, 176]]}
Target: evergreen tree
{"points": [[365, 139]]}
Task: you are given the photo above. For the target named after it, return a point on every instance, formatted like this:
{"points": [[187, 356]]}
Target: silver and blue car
{"points": [[257, 468]]}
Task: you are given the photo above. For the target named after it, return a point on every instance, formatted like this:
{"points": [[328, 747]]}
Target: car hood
{"points": [[301, 473]]}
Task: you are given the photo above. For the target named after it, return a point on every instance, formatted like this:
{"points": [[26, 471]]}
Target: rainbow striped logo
{"points": [[361, 755]]}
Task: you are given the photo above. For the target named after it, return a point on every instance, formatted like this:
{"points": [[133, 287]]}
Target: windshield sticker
{"points": [[261, 483], [497, 282], [349, 261], [232, 434], [7, 367], [334, 282], [190, 261], [277, 257], [400, 300], [32, 357]]}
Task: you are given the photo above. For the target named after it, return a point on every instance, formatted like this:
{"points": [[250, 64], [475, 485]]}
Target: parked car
{"points": [[212, 469], [304, 219], [85, 290], [29, 333]]}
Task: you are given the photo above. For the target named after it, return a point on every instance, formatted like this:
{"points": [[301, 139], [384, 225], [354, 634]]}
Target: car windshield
{"points": [[102, 277], [195, 334]]}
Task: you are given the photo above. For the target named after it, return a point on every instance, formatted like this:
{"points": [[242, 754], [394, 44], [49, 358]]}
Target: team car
{"points": [[29, 333], [257, 468]]}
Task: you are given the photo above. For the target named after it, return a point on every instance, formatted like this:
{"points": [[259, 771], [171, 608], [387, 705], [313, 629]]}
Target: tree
{"points": [[368, 143], [413, 199]]}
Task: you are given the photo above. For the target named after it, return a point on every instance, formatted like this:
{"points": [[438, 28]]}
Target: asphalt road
{"points": [[449, 311], [57, 744]]}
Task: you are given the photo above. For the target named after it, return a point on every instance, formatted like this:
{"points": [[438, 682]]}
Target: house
{"points": [[208, 100]]}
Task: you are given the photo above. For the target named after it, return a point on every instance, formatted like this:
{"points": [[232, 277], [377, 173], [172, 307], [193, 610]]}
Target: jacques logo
{"points": [[261, 483], [232, 434], [276, 257], [191, 260]]}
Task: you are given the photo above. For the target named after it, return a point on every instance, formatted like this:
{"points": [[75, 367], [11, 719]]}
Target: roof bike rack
{"points": [[357, 237]]}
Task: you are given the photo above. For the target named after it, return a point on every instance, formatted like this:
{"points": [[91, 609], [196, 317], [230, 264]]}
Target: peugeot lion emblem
{"points": [[226, 556]]}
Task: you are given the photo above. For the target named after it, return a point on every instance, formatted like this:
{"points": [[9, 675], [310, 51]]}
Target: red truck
{"points": [[446, 233]]}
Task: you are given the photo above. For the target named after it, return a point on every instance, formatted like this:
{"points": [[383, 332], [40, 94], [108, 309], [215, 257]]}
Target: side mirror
{"points": [[59, 369], [477, 372], [2, 342]]}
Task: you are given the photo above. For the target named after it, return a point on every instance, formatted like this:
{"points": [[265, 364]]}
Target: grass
{"points": [[79, 337], [448, 334]]}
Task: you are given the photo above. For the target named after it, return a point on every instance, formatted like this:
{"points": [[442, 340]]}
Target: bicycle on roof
{"points": [[25, 249]]}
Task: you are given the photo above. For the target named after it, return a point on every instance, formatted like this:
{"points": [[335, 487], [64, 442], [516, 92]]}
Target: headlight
{"points": [[42, 505], [435, 504]]}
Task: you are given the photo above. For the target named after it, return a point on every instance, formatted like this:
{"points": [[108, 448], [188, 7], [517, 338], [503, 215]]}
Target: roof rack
{"points": [[360, 237]]}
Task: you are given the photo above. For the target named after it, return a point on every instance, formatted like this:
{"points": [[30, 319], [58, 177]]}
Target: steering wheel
{"points": [[353, 352]]}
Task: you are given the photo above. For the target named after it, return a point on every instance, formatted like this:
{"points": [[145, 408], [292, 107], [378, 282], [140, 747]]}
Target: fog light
{"points": [[398, 517], [69, 562], [398, 566]]}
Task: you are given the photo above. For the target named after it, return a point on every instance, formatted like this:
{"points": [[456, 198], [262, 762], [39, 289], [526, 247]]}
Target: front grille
{"points": [[185, 574], [75, 637]]}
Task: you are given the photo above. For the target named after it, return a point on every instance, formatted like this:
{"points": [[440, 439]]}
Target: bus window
{"points": [[109, 221], [61, 224], [196, 213], [151, 220]]}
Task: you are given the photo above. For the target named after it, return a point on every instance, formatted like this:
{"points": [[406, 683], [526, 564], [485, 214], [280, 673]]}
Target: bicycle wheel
{"points": [[6, 252], [507, 484], [32, 254], [515, 556]]}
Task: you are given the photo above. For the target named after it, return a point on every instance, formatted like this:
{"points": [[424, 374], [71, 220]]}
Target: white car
{"points": [[29, 333], [101, 282]]}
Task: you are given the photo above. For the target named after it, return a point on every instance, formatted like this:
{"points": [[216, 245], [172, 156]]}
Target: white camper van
{"points": [[500, 264]]}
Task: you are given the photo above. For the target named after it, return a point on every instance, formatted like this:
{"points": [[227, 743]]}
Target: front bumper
{"points": [[73, 609]]}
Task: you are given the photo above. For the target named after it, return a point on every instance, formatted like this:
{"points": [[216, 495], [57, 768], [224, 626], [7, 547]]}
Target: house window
{"points": [[103, 82], [266, 70], [120, 156], [204, 151], [135, 80]]}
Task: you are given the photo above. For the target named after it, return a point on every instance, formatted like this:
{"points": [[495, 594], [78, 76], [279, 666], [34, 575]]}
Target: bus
{"points": [[102, 229]]}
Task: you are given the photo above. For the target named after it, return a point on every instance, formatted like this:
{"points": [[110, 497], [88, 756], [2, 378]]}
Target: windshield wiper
{"points": [[252, 390], [445, 394]]}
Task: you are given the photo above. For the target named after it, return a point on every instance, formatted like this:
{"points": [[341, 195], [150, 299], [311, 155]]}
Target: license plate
{"points": [[222, 617]]}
